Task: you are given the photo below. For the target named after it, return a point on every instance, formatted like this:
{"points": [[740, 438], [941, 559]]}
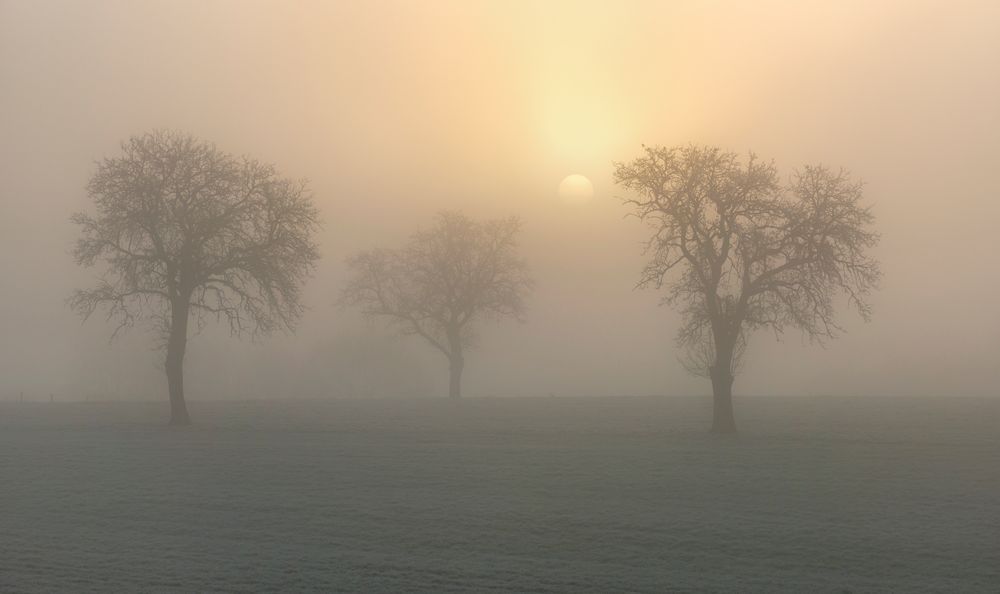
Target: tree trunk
{"points": [[456, 365], [723, 421], [176, 345], [456, 360]]}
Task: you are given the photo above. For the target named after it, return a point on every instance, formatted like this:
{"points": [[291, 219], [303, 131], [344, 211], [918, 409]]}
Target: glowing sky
{"points": [[394, 110]]}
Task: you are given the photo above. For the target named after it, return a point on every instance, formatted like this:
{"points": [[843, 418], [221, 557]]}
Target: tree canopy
{"points": [[182, 228], [444, 280], [737, 249]]}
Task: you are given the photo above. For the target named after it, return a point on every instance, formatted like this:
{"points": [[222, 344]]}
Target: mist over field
{"points": [[483, 296]]}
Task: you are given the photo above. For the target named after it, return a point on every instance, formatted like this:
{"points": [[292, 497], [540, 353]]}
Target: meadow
{"points": [[495, 495]]}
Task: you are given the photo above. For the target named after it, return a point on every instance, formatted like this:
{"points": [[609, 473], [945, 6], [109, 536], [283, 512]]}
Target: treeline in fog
{"points": [[182, 234]]}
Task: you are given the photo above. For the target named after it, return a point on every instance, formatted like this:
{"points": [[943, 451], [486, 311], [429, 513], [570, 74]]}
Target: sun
{"points": [[576, 189]]}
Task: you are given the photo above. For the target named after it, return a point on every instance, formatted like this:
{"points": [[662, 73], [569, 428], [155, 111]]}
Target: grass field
{"points": [[527, 495]]}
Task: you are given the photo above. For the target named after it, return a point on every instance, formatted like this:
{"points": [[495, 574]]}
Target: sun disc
{"points": [[576, 189]]}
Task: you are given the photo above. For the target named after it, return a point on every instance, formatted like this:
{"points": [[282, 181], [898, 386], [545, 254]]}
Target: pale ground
{"points": [[546, 495]]}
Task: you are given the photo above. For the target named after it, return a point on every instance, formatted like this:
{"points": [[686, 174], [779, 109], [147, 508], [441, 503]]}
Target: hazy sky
{"points": [[396, 110]]}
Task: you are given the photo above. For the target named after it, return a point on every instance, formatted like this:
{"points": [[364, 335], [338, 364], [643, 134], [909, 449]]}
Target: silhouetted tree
{"points": [[443, 281], [739, 250], [187, 231]]}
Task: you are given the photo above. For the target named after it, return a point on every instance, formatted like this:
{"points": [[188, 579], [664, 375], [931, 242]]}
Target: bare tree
{"points": [[442, 282], [738, 250], [187, 231]]}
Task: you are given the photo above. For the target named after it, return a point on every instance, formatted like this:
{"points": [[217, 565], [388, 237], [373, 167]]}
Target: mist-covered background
{"points": [[395, 110]]}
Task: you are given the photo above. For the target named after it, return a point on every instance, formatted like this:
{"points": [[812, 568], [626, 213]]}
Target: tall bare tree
{"points": [[186, 231], [738, 250], [442, 282]]}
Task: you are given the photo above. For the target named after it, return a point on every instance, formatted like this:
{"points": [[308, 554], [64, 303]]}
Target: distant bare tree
{"points": [[738, 250], [442, 282], [186, 230]]}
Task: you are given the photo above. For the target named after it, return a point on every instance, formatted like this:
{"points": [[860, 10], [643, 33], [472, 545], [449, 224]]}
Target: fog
{"points": [[395, 111]]}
